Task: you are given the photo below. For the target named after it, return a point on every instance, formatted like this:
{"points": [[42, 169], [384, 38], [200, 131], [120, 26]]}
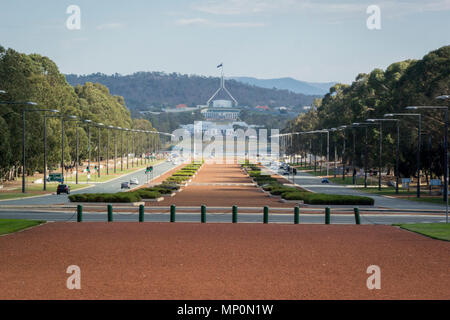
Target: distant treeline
{"points": [[144, 89]]}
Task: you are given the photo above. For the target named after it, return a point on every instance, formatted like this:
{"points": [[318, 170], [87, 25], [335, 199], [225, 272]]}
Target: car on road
{"points": [[125, 185], [62, 188], [134, 181], [325, 180]]}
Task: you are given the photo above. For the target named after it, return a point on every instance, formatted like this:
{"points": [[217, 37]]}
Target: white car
{"points": [[134, 181]]}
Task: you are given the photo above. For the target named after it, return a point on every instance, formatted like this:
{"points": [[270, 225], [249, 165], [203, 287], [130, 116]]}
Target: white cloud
{"points": [[242, 7], [191, 22], [206, 22], [110, 26]]}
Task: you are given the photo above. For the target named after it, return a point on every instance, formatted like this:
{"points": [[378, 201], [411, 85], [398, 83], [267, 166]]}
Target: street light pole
{"points": [[419, 140], [380, 121], [343, 153], [446, 171]]}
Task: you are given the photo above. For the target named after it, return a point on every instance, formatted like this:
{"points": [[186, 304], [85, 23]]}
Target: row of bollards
{"points": [[234, 218]]}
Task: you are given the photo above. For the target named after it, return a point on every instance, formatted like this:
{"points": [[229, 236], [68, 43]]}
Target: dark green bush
{"points": [[281, 190], [125, 197], [160, 190], [328, 199], [169, 185], [146, 194]]}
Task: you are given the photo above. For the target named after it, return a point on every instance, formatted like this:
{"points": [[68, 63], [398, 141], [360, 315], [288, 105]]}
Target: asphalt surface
{"points": [[106, 187], [66, 216], [314, 184]]}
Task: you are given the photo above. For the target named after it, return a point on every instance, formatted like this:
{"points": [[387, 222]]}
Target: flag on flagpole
{"points": [[220, 65]]}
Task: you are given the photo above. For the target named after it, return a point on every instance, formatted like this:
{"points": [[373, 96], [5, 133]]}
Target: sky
{"points": [[309, 40]]}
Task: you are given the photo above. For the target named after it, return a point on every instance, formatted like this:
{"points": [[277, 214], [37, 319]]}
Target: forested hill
{"points": [[144, 89]]}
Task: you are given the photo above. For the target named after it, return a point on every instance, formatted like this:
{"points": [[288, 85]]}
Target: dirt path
{"points": [[221, 261]]}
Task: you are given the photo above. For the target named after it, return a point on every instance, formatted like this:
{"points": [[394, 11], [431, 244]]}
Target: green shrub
{"points": [[161, 190], [169, 185], [328, 199], [146, 194], [125, 197], [281, 190], [178, 179]]}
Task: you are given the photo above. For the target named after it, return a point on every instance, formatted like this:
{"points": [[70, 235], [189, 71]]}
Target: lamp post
{"points": [[419, 139], [63, 120], [24, 131], [380, 121], [115, 149], [99, 126], [45, 147], [366, 153], [397, 157], [121, 148], [343, 152], [380, 150], [78, 148], [446, 173], [128, 145], [88, 123]]}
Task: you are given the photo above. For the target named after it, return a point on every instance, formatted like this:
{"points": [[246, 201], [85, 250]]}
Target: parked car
{"points": [[134, 181], [62, 188], [125, 185]]}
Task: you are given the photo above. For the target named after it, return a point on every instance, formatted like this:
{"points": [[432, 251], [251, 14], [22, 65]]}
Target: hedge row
{"points": [[272, 185], [126, 197], [328, 199], [184, 174]]}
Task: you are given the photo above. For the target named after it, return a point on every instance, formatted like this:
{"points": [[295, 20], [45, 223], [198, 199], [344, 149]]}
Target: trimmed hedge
{"points": [[178, 179], [125, 197], [169, 186], [282, 190], [328, 199], [147, 194]]}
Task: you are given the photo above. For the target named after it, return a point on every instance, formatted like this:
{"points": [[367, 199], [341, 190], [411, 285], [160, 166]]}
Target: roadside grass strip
{"points": [[439, 231], [8, 226]]}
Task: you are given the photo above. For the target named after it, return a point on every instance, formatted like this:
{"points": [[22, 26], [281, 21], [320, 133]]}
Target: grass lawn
{"points": [[104, 178], [440, 231], [10, 225], [36, 190]]}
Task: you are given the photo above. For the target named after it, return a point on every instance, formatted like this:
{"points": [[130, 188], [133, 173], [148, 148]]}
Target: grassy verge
{"points": [[105, 178], [36, 190], [439, 231], [9, 225], [404, 194]]}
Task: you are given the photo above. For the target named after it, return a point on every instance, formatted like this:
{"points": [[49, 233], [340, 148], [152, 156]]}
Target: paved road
{"points": [[107, 187], [222, 217], [314, 184]]}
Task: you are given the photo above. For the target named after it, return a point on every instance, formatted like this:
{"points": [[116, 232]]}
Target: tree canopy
{"points": [[402, 84], [36, 78]]}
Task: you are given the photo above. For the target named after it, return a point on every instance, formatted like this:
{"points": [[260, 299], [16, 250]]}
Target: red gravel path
{"points": [[221, 261], [222, 195]]}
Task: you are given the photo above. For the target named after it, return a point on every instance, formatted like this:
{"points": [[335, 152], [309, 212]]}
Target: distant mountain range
{"points": [[297, 86], [144, 89]]}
